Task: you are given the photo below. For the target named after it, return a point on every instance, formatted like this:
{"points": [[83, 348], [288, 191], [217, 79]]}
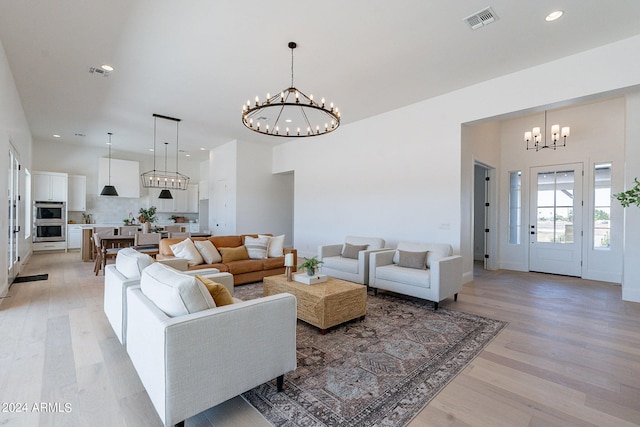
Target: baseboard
{"points": [[632, 295], [4, 290]]}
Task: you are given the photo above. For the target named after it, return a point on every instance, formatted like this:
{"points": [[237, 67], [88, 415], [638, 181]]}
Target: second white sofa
{"points": [[424, 270]]}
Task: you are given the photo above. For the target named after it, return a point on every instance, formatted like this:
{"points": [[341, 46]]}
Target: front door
{"points": [[555, 239]]}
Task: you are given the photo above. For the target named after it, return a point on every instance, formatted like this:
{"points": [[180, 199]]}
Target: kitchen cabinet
{"points": [[162, 205], [125, 176], [74, 236], [194, 227], [184, 201], [203, 190], [77, 193], [49, 186]]}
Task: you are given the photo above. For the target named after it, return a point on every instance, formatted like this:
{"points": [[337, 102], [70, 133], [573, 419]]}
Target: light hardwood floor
{"points": [[569, 357]]}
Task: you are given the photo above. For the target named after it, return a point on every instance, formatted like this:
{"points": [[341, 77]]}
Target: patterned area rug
{"points": [[378, 372]]}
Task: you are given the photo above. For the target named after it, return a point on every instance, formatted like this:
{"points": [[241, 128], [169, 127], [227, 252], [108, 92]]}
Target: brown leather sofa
{"points": [[243, 271]]}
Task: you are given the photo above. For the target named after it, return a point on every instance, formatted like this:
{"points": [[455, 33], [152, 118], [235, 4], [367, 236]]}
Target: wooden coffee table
{"points": [[322, 305]]}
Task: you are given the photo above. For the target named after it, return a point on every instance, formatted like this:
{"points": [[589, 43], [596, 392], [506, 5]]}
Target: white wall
{"points": [[398, 175], [257, 201], [631, 269], [379, 177], [14, 130]]}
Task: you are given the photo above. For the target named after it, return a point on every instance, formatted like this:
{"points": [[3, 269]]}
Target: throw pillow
{"points": [[187, 250], [174, 292], [257, 246], [130, 262], [351, 251], [218, 291], [233, 254], [413, 259], [276, 246], [208, 251]]}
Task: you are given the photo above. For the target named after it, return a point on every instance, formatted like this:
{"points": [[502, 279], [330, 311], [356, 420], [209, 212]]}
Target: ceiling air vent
{"points": [[99, 71], [480, 19]]}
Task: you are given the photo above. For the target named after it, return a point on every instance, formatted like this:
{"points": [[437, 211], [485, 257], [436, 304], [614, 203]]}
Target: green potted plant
{"points": [[311, 265], [147, 217], [631, 196]]}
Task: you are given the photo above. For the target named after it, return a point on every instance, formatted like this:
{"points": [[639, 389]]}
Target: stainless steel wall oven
{"points": [[49, 221]]}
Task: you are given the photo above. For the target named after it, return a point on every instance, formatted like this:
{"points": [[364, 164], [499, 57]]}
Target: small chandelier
{"points": [[164, 179], [290, 113], [109, 190], [556, 134]]}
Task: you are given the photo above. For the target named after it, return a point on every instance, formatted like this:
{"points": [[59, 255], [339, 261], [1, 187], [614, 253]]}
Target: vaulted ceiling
{"points": [[200, 60]]}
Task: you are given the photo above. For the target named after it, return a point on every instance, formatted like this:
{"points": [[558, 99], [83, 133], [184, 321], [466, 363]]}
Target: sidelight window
{"points": [[602, 206]]}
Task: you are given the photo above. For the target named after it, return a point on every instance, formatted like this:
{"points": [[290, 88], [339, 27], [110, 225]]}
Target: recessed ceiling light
{"points": [[554, 15], [150, 149], [106, 67], [55, 135], [187, 155], [202, 148]]}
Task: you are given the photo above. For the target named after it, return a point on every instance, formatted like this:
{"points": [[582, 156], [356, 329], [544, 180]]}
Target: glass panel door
{"points": [[556, 219]]}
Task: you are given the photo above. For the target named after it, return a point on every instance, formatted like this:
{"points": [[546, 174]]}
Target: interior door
{"points": [[556, 219], [221, 201], [13, 218]]}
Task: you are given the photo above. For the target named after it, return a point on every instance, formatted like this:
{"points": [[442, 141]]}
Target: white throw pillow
{"points": [[276, 246], [174, 292], [208, 251], [257, 246], [187, 250], [130, 262]]}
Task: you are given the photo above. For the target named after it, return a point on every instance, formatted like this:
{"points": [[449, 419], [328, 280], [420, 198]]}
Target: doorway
{"points": [[13, 214], [555, 232], [485, 216]]}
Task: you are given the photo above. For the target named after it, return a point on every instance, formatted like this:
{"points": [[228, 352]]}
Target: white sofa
{"points": [[438, 279], [192, 362], [125, 273], [353, 269]]}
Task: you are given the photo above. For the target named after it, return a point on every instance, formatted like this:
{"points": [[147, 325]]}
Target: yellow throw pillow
{"points": [[219, 292], [233, 254]]}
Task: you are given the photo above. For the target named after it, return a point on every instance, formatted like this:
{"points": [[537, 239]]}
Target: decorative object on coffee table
{"points": [[288, 263], [311, 265]]}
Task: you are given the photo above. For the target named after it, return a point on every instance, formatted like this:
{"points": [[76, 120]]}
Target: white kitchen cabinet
{"points": [[194, 227], [163, 205], [74, 236], [125, 176], [184, 201], [192, 202], [77, 193], [49, 186], [203, 190]]}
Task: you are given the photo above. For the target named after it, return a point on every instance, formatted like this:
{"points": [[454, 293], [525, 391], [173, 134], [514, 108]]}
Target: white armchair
{"points": [[192, 362], [349, 260], [424, 270], [125, 273]]}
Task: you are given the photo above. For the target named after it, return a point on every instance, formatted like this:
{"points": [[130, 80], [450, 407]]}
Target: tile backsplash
{"points": [[113, 210]]}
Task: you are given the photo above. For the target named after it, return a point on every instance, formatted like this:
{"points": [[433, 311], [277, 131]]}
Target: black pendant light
{"points": [[109, 190], [165, 194]]}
